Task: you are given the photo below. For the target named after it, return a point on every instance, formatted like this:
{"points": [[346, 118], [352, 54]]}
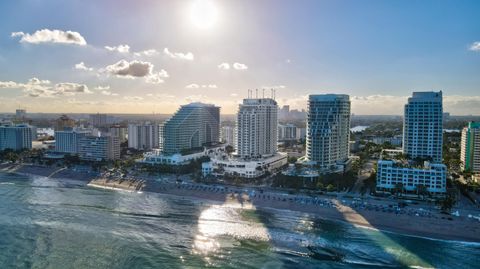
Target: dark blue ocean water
{"points": [[46, 223]]}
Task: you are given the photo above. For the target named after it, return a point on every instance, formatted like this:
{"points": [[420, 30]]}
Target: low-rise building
{"points": [[92, 148], [392, 174], [251, 168], [156, 156]]}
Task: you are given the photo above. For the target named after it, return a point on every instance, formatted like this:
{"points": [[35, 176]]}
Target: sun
{"points": [[203, 14]]}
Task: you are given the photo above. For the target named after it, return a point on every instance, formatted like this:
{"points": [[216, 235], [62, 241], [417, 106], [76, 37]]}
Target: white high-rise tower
{"points": [[423, 126], [257, 128]]}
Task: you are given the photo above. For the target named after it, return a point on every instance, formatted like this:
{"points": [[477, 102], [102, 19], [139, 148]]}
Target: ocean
{"points": [[51, 223]]}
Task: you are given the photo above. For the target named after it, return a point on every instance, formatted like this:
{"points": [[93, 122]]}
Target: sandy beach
{"points": [[409, 221]]}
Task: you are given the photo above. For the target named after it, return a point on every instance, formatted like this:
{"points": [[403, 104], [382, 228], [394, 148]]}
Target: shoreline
{"points": [[459, 229]]}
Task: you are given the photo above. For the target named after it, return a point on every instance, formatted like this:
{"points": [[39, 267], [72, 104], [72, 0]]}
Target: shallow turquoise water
{"points": [[45, 223]]}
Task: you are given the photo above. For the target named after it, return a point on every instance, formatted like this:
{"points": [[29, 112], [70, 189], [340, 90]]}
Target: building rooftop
{"points": [[328, 97]]}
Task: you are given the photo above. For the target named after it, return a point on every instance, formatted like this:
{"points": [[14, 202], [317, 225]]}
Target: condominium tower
{"points": [[143, 136], [256, 128], [423, 126], [193, 126], [328, 130], [470, 148], [16, 137], [94, 148]]}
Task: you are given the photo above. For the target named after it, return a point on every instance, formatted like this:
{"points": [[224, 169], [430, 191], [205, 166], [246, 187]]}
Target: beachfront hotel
{"points": [[67, 141], [256, 143], [94, 148], [16, 137], [470, 148], [422, 143], [143, 136], [328, 131], [423, 126], [256, 126], [192, 127]]}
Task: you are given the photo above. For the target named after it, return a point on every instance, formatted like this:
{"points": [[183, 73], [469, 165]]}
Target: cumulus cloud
{"points": [[150, 52], [44, 88], [239, 66], [51, 36], [475, 46], [179, 55], [236, 66], [224, 66], [82, 66], [119, 48], [101, 88], [197, 86], [109, 93], [136, 69]]}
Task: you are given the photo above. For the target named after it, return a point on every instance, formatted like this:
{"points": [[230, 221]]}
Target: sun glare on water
{"points": [[203, 14]]}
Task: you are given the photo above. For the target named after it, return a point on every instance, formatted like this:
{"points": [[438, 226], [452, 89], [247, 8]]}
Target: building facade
{"points": [[143, 136], [119, 131], [193, 126], [328, 130], [391, 175], [228, 135], [93, 148], [287, 132], [67, 141], [98, 120], [256, 127], [423, 126], [470, 148], [16, 137], [64, 122]]}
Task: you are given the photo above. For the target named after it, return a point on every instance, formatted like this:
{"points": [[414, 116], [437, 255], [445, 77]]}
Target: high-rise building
{"points": [[98, 120], [67, 141], [16, 137], [93, 148], [193, 126], [119, 131], [422, 143], [64, 122], [328, 130], [228, 135], [143, 136], [20, 114], [470, 148], [287, 132], [423, 126], [256, 125]]}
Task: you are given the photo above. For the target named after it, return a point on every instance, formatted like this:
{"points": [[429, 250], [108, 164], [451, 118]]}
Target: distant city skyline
{"points": [[158, 55]]}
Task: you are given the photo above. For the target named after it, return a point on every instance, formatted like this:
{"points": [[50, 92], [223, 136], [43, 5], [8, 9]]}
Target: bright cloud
{"points": [[150, 52], [197, 86], [179, 55], [82, 66], [51, 36], [224, 66], [475, 46], [119, 48], [239, 66]]}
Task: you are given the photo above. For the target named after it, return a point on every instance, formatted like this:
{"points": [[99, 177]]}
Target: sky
{"points": [[151, 56]]}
